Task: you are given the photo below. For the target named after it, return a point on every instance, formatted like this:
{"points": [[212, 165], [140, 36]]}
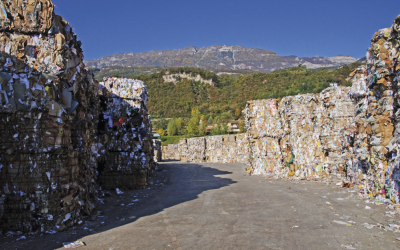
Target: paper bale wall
{"points": [[48, 118], [264, 128], [242, 148], [183, 149], [170, 152], [125, 138], [376, 164], [196, 149], [217, 149], [301, 136], [221, 149], [349, 133]]}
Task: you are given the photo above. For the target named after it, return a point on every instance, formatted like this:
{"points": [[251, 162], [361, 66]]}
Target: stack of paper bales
{"points": [[124, 134], [264, 128], [375, 90], [302, 135], [48, 121]]}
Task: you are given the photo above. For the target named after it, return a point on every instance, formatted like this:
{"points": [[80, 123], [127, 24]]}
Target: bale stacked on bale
{"points": [[48, 117], [359, 87], [307, 140], [337, 132], [124, 134], [300, 141], [264, 128], [263, 119], [358, 93], [376, 164]]}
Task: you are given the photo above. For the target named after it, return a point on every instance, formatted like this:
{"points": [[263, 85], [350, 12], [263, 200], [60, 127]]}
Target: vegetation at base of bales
{"points": [[165, 140]]}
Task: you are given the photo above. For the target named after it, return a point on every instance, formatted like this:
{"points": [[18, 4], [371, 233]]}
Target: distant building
{"points": [[233, 126]]}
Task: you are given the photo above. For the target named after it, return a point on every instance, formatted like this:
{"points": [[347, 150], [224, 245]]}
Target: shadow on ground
{"points": [[174, 184]]}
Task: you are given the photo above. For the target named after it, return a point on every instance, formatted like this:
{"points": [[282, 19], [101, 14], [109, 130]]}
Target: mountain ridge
{"points": [[218, 57]]}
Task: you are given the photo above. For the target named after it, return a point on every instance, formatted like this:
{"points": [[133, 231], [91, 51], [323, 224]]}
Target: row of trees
{"points": [[194, 127], [176, 127]]}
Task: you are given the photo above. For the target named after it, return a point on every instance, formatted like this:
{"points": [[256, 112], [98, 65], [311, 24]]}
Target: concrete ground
{"points": [[218, 206]]}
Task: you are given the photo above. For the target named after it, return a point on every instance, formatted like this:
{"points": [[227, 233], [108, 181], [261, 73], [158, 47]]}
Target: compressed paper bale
{"points": [[196, 149], [48, 150], [125, 134], [37, 16], [214, 148], [263, 119], [183, 149], [304, 123], [242, 146], [165, 154], [265, 155], [157, 150], [170, 152], [375, 86], [173, 151]]}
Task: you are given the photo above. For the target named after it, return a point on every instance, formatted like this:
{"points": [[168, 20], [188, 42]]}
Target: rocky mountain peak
{"points": [[218, 57]]}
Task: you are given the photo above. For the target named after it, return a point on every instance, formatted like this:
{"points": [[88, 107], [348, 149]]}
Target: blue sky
{"points": [[301, 28]]}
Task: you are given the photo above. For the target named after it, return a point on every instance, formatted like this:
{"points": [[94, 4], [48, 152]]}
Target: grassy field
{"points": [[165, 140]]}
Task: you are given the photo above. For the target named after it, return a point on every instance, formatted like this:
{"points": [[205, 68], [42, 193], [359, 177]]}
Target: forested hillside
{"points": [[229, 95]]}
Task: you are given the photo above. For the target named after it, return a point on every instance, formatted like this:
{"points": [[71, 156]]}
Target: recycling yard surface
{"points": [[218, 206]]}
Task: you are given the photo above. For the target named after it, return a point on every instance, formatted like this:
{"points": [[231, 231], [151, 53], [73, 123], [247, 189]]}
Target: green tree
{"points": [[226, 116], [216, 130], [192, 128], [161, 131], [179, 126], [172, 130], [241, 127], [225, 129], [238, 113], [202, 126], [210, 121], [161, 123]]}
